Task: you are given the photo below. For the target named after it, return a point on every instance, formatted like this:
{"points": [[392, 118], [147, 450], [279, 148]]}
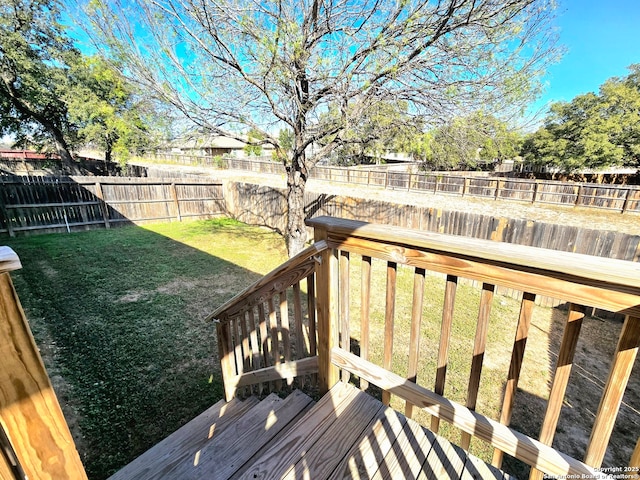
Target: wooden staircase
{"points": [[347, 434]]}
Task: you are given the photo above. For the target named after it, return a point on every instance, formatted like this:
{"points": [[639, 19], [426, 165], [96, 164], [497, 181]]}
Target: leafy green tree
{"points": [[35, 56], [107, 112], [385, 127], [593, 130], [51, 93], [464, 141], [234, 65], [254, 147]]}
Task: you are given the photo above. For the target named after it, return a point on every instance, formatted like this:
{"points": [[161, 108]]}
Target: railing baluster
{"points": [[284, 322], [246, 349], [515, 366], [561, 378], [389, 317], [623, 361], [297, 321], [237, 342], [345, 335], [365, 303], [273, 332], [264, 338], [414, 337], [445, 337], [255, 348], [311, 309], [479, 345]]}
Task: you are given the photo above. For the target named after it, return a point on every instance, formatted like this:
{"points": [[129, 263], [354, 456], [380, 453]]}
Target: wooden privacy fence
{"points": [[38, 164], [30, 204], [619, 198], [263, 205], [38, 204]]}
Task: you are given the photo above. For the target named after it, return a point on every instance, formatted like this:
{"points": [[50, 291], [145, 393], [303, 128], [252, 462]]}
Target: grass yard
{"points": [[118, 315]]}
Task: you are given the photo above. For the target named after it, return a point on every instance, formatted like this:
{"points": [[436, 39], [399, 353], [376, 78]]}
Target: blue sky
{"points": [[602, 38]]}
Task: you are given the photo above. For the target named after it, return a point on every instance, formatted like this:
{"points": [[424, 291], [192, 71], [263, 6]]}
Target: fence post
{"points": [[579, 195], [5, 214], [30, 414], [174, 195], [497, 189], [465, 185], [626, 202], [535, 192], [103, 205], [327, 291]]}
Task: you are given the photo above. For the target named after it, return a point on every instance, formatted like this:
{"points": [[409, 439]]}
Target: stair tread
{"points": [[230, 451], [346, 434], [160, 459], [276, 461]]}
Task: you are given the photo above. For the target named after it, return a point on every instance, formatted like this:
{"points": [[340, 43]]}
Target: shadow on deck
{"points": [[347, 434]]}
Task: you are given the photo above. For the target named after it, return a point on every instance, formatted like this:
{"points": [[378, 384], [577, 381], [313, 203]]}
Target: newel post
{"points": [[40, 445], [327, 312]]}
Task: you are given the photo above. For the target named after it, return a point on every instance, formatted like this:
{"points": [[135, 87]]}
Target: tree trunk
{"points": [[108, 151], [63, 151], [296, 234], [58, 137]]}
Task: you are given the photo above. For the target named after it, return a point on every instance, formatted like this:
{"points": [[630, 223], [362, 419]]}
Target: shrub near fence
{"points": [[37, 204]]}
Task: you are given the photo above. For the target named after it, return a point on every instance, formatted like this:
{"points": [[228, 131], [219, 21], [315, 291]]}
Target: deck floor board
{"points": [[163, 458], [408, 453], [347, 434], [278, 460], [223, 457], [371, 448]]}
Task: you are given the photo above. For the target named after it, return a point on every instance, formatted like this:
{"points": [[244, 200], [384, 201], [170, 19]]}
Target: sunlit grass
{"points": [[119, 317]]}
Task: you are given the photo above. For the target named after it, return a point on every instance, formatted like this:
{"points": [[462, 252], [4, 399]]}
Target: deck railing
{"points": [[342, 295], [266, 334]]}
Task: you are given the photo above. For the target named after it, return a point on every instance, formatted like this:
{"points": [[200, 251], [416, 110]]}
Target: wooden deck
{"points": [[347, 434]]}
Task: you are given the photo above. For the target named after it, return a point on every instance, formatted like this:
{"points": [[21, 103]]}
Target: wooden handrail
{"points": [[285, 273], [598, 282], [9, 261], [592, 270]]}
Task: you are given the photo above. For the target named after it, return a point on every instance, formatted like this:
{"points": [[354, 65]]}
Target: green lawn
{"points": [[118, 315]]}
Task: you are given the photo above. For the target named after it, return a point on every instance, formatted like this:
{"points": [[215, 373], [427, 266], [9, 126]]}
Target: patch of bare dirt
{"points": [[172, 288], [47, 270]]}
